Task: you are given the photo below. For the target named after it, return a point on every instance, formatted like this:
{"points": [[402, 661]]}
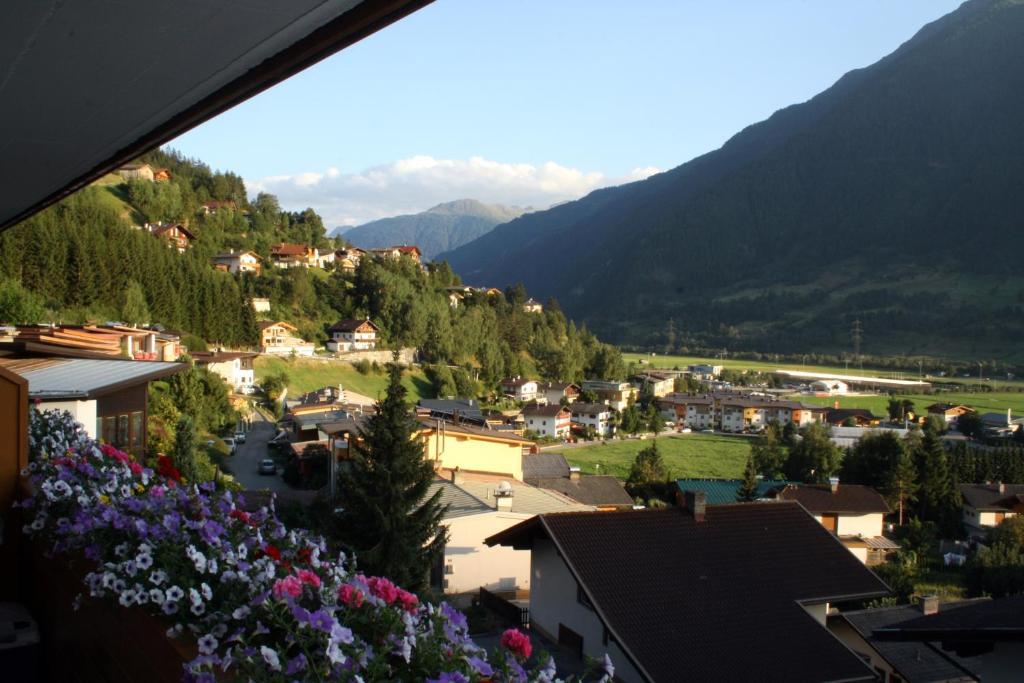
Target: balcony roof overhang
{"points": [[88, 85]]}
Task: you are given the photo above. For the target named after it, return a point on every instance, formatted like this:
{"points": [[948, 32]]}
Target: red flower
{"points": [[239, 515], [272, 552], [517, 642], [383, 589], [305, 555], [350, 597]]}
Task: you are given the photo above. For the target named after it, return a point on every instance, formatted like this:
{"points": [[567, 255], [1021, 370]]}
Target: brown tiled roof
{"points": [[712, 600], [220, 356], [839, 415], [544, 411], [286, 249], [591, 489], [847, 498], [160, 230], [988, 497], [351, 325], [578, 408], [515, 382]]}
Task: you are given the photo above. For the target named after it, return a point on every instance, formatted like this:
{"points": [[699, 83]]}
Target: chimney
{"points": [[695, 502], [833, 483], [929, 604], [457, 476], [574, 474], [1001, 487], [503, 497]]}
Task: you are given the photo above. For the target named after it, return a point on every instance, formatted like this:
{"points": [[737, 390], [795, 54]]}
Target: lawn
{"points": [[686, 455], [307, 374], [988, 402]]}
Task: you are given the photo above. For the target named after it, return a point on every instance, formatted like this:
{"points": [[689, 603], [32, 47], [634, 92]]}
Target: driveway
{"points": [[244, 464]]}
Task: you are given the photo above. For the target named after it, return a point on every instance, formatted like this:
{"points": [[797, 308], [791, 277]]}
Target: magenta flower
{"points": [[290, 585], [517, 642]]}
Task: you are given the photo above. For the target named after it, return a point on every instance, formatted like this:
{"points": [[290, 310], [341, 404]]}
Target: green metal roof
{"points": [[723, 491]]}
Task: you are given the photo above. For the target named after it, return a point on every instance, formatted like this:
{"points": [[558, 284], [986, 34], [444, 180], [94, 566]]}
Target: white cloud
{"points": [[419, 182]]}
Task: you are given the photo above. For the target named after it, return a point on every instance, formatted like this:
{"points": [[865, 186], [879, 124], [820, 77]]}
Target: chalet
{"points": [[554, 392], [108, 397], [987, 505], [667, 596], [902, 662], [860, 417], [549, 421], [287, 255], [238, 262], [531, 305], [234, 367], [352, 335], [658, 383], [614, 393], [949, 412], [347, 260], [596, 416], [469, 448], [280, 338], [520, 389], [214, 205], [397, 252], [176, 235], [479, 507], [261, 305], [725, 491], [989, 634], [161, 175], [854, 513], [136, 172]]}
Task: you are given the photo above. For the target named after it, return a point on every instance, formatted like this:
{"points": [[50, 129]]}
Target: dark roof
{"points": [[52, 378], [473, 430], [544, 466], [462, 407], [943, 407], [847, 498], [459, 502], [589, 489], [161, 229], [351, 325], [548, 411], [840, 415], [983, 621], [578, 408], [989, 498], [708, 600], [723, 491], [915, 662], [516, 381], [220, 356]]}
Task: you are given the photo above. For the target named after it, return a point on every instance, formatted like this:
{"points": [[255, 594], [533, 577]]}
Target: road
{"points": [[244, 464]]}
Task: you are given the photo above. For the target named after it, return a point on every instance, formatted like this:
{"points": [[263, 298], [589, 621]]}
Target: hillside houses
{"points": [[238, 262], [736, 412], [657, 383], [287, 255], [176, 235], [593, 416], [531, 305], [550, 421], [612, 392], [396, 253], [556, 392], [281, 338], [352, 335], [520, 389], [234, 367], [136, 171]]}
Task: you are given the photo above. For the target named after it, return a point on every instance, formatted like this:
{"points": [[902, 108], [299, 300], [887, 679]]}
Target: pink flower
{"points": [[517, 642], [350, 597], [308, 577], [383, 589], [135, 467], [289, 585], [407, 600]]}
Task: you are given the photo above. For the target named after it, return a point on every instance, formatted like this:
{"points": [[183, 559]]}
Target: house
{"points": [[520, 389], [596, 416], [537, 466], [161, 175], [831, 387], [725, 491], [136, 172], [468, 448], [949, 412], [603, 491], [108, 397], [896, 661], [396, 253], [614, 393], [705, 371], [854, 513], [286, 255], [705, 593], [659, 384], [234, 367], [478, 508], [93, 341], [352, 335], [279, 338], [554, 392], [989, 634], [238, 262], [261, 305], [1000, 424], [553, 422], [987, 505], [860, 417], [452, 409], [531, 305], [848, 437], [176, 235], [215, 205]]}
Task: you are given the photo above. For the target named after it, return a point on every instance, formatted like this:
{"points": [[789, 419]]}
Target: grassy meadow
{"points": [[306, 374], [685, 455]]}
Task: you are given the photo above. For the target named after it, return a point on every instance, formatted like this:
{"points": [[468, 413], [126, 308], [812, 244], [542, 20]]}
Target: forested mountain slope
{"points": [[443, 228], [895, 197]]}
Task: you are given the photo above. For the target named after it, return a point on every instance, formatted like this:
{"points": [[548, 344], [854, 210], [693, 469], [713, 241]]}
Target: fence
{"points": [[509, 611]]}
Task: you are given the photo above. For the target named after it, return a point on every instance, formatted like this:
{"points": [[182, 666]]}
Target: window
{"points": [[122, 431], [581, 597], [137, 435]]}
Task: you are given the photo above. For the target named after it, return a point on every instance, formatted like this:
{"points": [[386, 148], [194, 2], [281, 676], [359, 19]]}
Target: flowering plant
{"points": [[265, 602]]}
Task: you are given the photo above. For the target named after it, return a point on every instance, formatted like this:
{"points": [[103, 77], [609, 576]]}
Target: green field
{"points": [[306, 375], [988, 402], [686, 455]]}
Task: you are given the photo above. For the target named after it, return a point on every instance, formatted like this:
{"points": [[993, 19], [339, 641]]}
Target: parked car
{"points": [[239, 437], [268, 466], [230, 443]]}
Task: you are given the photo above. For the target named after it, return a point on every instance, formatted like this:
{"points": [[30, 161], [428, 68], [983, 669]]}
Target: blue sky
{"points": [[533, 102]]}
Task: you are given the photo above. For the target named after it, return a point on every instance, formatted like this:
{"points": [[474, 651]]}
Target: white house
{"points": [[238, 261], [596, 415], [234, 367], [987, 505], [551, 421], [280, 338], [261, 305], [352, 335], [520, 389]]}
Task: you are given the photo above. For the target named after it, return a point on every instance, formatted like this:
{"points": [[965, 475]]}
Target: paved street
{"points": [[245, 462]]}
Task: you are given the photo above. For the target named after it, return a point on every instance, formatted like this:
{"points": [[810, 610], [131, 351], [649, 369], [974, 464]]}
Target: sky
{"points": [[535, 102]]}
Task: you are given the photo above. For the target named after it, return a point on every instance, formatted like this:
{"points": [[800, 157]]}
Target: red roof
{"points": [[286, 249]]}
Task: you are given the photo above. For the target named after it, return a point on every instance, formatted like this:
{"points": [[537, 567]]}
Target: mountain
{"points": [[895, 197], [442, 228]]}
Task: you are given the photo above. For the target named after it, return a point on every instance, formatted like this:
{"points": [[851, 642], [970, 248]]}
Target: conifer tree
{"points": [[747, 491], [387, 519], [135, 310], [184, 453]]}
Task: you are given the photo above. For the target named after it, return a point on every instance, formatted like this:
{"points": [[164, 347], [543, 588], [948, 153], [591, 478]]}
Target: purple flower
{"points": [[449, 677], [296, 664]]}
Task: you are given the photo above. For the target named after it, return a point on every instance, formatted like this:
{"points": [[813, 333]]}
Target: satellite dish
{"points": [[504, 489]]}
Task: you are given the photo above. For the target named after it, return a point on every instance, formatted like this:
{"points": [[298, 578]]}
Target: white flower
{"points": [[127, 598], [156, 595], [208, 644], [194, 597], [174, 593], [241, 613], [144, 561], [207, 591], [270, 657], [158, 577], [198, 609], [335, 654]]}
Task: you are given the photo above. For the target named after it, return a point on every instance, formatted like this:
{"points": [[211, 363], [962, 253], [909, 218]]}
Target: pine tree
{"points": [[747, 491], [938, 497], [388, 521], [135, 310], [184, 453]]}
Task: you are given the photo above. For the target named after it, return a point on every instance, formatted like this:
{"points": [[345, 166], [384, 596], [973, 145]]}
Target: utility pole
{"points": [[856, 334]]}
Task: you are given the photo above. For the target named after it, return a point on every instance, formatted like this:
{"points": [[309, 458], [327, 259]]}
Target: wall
{"points": [[842, 630], [83, 412], [475, 454], [405, 356], [473, 563], [553, 601], [860, 525], [13, 458]]}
